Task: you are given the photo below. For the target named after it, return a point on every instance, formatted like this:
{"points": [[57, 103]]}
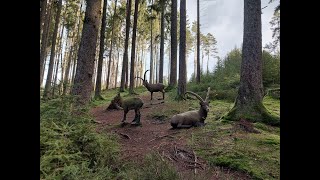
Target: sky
{"points": [[223, 19]]}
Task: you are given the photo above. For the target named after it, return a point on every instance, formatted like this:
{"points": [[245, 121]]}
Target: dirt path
{"points": [[137, 141]]}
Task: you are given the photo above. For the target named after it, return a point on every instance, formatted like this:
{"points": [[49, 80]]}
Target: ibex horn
{"points": [[140, 78], [197, 96], [145, 74]]}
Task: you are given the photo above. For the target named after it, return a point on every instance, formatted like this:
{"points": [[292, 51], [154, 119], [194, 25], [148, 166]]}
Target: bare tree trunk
{"points": [[174, 44], [117, 68], [62, 68], [58, 60], [44, 41], [182, 51], [133, 46], [208, 64], [66, 75], [202, 62], [162, 42], [77, 48], [53, 48], [100, 61], [111, 44], [248, 104], [195, 66], [151, 50], [157, 64], [126, 44], [198, 43], [42, 13], [83, 79]]}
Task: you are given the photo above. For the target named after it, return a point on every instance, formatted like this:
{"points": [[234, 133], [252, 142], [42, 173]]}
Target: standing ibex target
{"points": [[159, 87]]}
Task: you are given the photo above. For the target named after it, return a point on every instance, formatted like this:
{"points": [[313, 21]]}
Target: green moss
{"points": [[70, 147], [255, 154], [254, 113]]}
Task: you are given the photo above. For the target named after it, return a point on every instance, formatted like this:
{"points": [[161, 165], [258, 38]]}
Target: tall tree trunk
{"points": [[198, 42], [202, 62], [66, 75], [53, 48], [62, 68], [58, 60], [169, 54], [248, 104], [157, 63], [182, 51], [83, 79], [117, 68], [100, 61], [151, 49], [162, 42], [133, 45], [195, 66], [126, 44], [77, 41], [142, 64], [44, 41], [42, 13], [174, 44], [111, 44], [208, 64]]}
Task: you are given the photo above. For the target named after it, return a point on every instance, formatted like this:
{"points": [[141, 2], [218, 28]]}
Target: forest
{"points": [[134, 89]]}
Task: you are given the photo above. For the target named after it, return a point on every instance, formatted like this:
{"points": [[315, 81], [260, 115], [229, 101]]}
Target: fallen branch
{"points": [[99, 122], [170, 135], [168, 157], [125, 135], [195, 162]]}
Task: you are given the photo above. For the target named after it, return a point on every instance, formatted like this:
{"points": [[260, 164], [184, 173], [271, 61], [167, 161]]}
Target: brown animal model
{"points": [[159, 87], [126, 105], [192, 118]]}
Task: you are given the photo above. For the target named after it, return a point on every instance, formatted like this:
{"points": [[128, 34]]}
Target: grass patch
{"points": [[70, 148], [154, 167], [273, 105], [255, 154]]}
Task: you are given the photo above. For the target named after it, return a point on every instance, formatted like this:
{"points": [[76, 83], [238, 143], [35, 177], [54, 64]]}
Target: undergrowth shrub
{"points": [[70, 148]]}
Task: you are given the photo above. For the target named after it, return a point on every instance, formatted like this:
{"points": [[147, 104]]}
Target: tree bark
{"points": [[174, 45], [133, 45], [83, 79], [100, 61], [117, 68], [126, 44], [182, 51], [111, 44], [198, 43], [66, 75], [53, 48], [248, 104], [151, 49], [58, 60], [77, 44], [162, 42], [42, 13], [44, 41]]}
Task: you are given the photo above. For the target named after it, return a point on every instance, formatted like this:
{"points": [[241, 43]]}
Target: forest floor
{"points": [[155, 135]]}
